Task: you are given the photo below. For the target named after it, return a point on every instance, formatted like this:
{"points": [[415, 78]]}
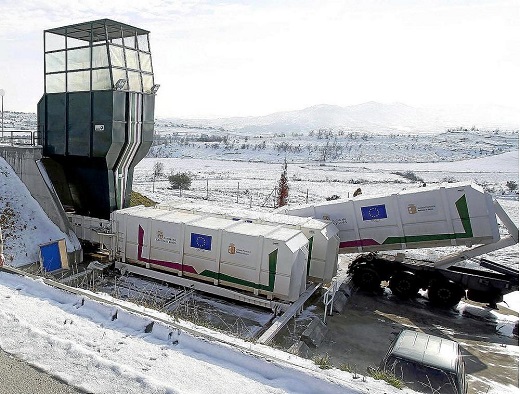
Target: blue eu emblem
{"points": [[200, 241], [373, 212]]}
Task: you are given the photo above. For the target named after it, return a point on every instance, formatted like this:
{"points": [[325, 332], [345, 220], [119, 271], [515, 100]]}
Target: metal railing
{"points": [[20, 137], [328, 298]]}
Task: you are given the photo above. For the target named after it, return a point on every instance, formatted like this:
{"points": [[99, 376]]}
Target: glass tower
{"points": [[96, 116]]}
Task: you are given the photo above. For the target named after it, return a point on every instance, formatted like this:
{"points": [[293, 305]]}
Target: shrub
{"points": [[180, 180], [348, 368], [138, 199], [333, 197], [449, 179], [410, 175], [388, 377], [512, 186], [323, 362], [283, 187]]}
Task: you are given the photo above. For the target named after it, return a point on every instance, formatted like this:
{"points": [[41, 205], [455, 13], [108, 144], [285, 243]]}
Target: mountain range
{"points": [[368, 117]]}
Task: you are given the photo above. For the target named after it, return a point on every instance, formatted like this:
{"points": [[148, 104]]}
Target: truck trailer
{"points": [[458, 215]]}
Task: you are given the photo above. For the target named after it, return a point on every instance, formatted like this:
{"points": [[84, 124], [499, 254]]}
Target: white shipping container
{"points": [[274, 256], [258, 258], [97, 231], [461, 214], [322, 235]]}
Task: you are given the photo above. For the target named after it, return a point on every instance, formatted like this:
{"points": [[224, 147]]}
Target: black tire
{"points": [[366, 278], [445, 294], [404, 285]]}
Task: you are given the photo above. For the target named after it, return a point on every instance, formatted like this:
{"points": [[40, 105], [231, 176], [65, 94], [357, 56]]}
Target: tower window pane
{"points": [[131, 59], [117, 57], [74, 42], [55, 83], [78, 58], [130, 40], [142, 43], [134, 81], [54, 42], [101, 79], [146, 61], [55, 61], [78, 81], [118, 74], [99, 56], [147, 83]]}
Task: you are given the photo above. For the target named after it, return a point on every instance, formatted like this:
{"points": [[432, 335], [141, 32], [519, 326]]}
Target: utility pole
{"points": [[2, 93]]}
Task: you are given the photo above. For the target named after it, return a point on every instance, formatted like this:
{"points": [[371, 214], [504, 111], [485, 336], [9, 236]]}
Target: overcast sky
{"points": [[239, 58]]}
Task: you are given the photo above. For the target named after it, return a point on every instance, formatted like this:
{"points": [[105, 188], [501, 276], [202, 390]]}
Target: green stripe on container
{"points": [[462, 208], [309, 258], [273, 260]]}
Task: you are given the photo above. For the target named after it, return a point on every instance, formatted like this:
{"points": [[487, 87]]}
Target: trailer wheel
{"points": [[404, 284], [366, 278], [445, 294]]}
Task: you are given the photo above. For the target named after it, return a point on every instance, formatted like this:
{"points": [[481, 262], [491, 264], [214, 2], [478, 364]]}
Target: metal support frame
{"points": [[202, 286], [293, 310]]}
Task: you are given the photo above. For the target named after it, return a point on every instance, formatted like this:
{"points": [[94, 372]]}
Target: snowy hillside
{"points": [[24, 224], [330, 145]]}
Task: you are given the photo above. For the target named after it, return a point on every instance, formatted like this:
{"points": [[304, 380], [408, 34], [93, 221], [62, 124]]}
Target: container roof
{"points": [[258, 216], [179, 217], [96, 29], [143, 212]]}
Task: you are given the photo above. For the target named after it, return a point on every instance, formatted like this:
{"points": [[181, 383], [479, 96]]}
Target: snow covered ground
{"points": [[330, 145], [81, 342]]}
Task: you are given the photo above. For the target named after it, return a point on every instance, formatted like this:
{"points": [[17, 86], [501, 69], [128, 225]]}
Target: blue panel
{"points": [[51, 258], [200, 241], [373, 212]]}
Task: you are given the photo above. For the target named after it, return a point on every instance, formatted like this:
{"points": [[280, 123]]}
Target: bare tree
{"points": [[158, 169], [283, 187]]}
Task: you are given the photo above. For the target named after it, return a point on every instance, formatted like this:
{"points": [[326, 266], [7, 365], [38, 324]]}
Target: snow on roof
{"points": [[214, 223], [238, 213]]}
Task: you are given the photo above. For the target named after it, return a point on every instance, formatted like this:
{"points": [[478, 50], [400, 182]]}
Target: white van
{"points": [[426, 363]]}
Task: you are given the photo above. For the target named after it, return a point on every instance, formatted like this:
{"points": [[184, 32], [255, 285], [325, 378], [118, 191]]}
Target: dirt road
{"points": [[361, 334]]}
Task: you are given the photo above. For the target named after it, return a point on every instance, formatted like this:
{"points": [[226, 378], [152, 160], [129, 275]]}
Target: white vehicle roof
{"points": [[427, 349]]}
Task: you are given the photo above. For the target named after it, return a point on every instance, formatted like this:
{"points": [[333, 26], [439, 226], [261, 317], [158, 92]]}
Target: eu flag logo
{"points": [[374, 212], [200, 241]]}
